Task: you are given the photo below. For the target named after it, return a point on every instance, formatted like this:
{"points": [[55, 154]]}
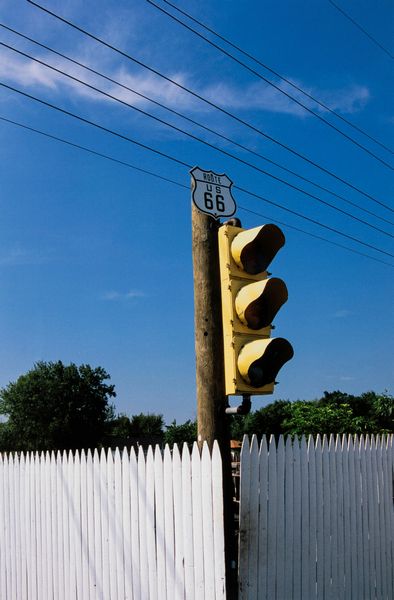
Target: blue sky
{"points": [[95, 257]]}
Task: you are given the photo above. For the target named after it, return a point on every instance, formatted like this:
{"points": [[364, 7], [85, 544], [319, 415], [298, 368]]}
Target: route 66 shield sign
{"points": [[211, 193]]}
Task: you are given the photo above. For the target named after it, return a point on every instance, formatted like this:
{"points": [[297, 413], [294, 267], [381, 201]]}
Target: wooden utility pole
{"points": [[212, 421], [211, 400]]}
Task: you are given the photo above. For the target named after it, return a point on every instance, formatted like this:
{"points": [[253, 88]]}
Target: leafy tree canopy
{"points": [[178, 434], [146, 424], [310, 418], [136, 426], [142, 429], [335, 412], [56, 407], [60, 407]]}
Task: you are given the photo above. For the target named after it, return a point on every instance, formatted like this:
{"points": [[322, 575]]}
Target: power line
{"points": [[196, 138], [206, 101], [365, 32], [180, 162], [271, 70], [183, 186], [276, 87], [94, 152], [101, 127], [318, 237], [165, 107], [258, 196]]}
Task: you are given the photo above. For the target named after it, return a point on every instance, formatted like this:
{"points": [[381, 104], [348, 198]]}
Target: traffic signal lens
{"points": [[254, 249], [256, 375], [260, 361], [257, 304]]}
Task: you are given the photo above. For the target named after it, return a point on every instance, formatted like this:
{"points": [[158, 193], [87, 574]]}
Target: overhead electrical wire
{"points": [[180, 162], [95, 152], [365, 32], [318, 237], [282, 77], [206, 101], [196, 138], [194, 122], [97, 125], [272, 84], [183, 186]]}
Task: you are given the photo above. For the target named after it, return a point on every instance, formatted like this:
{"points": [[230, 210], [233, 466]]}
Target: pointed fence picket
{"points": [[317, 518], [112, 525]]}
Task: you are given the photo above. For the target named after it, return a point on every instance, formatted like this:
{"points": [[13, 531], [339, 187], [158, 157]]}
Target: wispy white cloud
{"points": [[261, 96], [20, 71], [340, 377], [152, 86], [19, 256], [255, 96], [114, 296], [342, 313]]}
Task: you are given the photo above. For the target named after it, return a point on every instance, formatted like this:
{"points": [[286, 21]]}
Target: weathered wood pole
{"points": [[212, 421], [211, 400]]}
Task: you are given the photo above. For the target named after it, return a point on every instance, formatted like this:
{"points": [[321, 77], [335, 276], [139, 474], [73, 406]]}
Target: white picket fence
{"points": [[112, 526], [316, 522], [317, 519]]}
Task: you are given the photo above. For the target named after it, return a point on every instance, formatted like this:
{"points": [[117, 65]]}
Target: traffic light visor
{"points": [[257, 303], [260, 361], [254, 249]]}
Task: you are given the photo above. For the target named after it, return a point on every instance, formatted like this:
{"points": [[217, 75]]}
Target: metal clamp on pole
{"points": [[242, 409]]}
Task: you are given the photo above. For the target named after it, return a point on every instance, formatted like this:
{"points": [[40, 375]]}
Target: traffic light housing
{"points": [[250, 301]]}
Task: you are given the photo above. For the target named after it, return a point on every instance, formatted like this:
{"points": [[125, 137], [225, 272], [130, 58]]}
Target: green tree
{"points": [[56, 407], [307, 418], [371, 412], [142, 429], [237, 426], [335, 412], [384, 410], [268, 420], [146, 425], [120, 427], [178, 434], [6, 437]]}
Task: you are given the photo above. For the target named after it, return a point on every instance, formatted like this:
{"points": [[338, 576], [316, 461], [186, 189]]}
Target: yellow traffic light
{"points": [[250, 301]]}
